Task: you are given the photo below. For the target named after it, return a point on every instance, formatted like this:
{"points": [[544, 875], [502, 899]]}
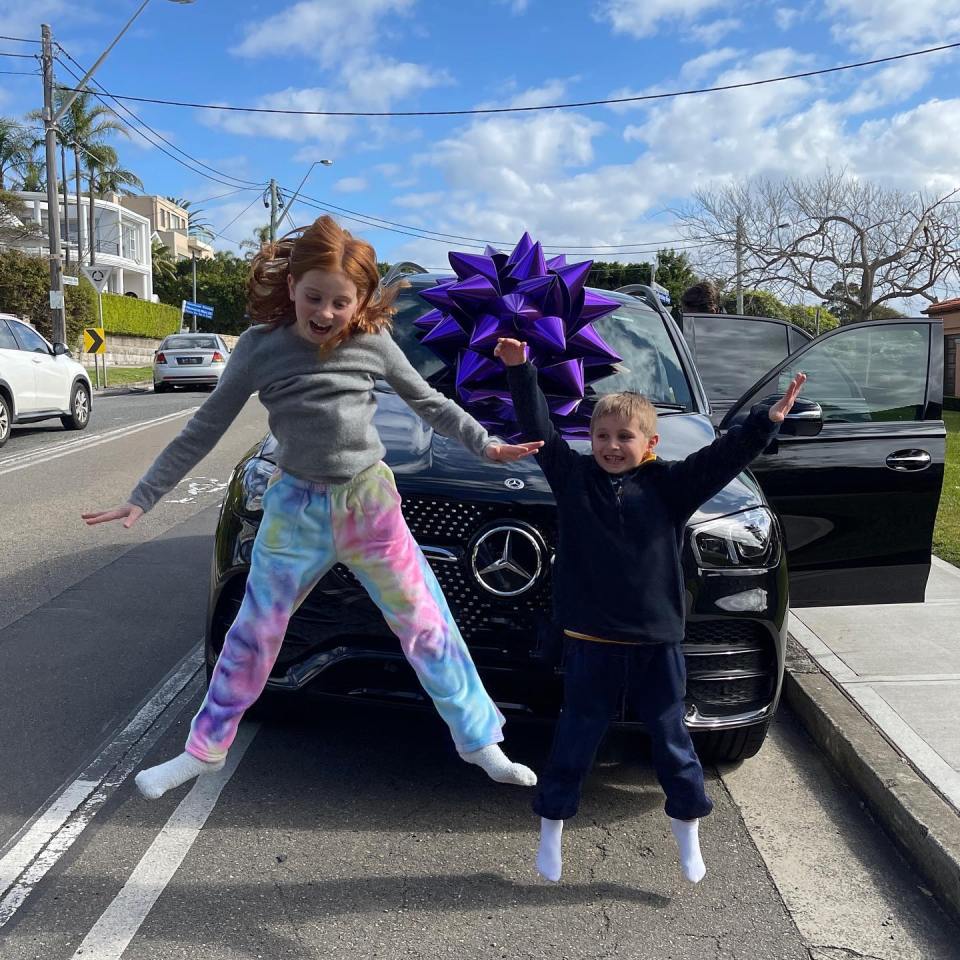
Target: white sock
{"points": [[498, 766], [154, 782], [687, 835], [549, 857]]}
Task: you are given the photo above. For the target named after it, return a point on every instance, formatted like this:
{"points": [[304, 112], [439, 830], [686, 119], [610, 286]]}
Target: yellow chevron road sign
{"points": [[94, 340]]}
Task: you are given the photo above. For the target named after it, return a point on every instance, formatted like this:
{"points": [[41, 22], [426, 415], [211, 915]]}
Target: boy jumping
{"points": [[618, 590]]}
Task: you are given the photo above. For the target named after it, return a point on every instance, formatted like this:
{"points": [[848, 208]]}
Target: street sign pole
{"points": [[104, 360]]}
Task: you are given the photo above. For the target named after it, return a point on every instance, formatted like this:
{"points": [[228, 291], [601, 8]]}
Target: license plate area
{"points": [[186, 361]]}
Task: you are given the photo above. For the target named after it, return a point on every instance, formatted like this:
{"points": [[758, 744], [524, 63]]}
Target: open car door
{"points": [[856, 472]]}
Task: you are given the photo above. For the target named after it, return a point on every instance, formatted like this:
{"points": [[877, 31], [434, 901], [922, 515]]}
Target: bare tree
{"points": [[838, 238]]}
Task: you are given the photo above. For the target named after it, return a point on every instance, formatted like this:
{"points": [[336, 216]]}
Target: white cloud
{"points": [[517, 7], [328, 31], [350, 185], [642, 18], [786, 17], [892, 26], [716, 30]]}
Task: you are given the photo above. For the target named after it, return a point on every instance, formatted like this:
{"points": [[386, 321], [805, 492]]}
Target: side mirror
{"points": [[804, 420], [61, 349]]}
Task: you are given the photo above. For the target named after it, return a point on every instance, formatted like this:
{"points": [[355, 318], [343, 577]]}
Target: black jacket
{"points": [[617, 573]]}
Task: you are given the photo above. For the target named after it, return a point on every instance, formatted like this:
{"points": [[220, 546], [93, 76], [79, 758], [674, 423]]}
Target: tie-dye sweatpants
{"points": [[306, 529]]}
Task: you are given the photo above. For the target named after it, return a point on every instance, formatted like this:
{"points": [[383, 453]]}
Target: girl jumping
{"points": [[319, 341]]}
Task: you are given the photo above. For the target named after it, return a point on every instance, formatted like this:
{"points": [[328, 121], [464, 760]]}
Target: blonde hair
{"points": [[324, 245], [627, 406]]}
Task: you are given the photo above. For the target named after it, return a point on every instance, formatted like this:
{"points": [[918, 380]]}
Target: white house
{"points": [[122, 239]]}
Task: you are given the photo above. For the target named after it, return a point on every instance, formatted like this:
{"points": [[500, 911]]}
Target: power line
{"points": [[20, 39], [21, 56], [549, 106], [21, 73], [160, 136], [234, 220]]}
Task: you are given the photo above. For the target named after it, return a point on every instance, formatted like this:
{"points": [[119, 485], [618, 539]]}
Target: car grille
{"points": [[482, 617]]}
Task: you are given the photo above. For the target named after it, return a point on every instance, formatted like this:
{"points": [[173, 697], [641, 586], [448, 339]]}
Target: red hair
{"points": [[324, 245]]}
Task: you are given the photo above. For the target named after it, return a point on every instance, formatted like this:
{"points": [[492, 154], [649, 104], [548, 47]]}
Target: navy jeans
{"points": [[654, 677]]}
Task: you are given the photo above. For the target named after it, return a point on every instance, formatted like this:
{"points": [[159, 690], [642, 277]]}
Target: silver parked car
{"points": [[186, 359]]}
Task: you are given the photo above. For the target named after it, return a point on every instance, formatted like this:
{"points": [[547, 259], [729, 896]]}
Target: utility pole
{"points": [[740, 264], [57, 310], [273, 211], [193, 318]]}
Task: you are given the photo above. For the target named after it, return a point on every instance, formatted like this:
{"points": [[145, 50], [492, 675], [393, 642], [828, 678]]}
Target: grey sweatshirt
{"points": [[320, 408]]}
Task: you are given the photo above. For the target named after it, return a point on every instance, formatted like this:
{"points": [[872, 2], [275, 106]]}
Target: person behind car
{"points": [[703, 297], [618, 590], [321, 338]]}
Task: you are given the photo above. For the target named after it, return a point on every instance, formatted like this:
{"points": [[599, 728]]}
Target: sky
{"points": [[595, 181]]}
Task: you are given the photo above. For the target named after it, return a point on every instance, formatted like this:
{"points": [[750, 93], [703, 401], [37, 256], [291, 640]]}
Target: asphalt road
{"points": [[343, 830]]}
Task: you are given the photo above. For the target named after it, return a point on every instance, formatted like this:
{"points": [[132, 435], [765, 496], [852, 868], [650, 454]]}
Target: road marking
{"points": [[44, 455], [118, 924], [53, 831]]}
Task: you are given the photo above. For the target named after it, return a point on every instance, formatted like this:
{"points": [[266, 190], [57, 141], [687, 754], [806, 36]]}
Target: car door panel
{"points": [[858, 501], [18, 370], [51, 377]]}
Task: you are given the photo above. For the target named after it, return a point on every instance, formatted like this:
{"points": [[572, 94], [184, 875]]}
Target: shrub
{"points": [[138, 318]]}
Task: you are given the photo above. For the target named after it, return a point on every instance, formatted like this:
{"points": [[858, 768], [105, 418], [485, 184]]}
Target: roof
{"points": [[943, 306]]}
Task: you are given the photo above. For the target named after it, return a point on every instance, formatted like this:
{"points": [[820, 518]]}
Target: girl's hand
{"points": [[128, 510], [511, 352], [780, 409], [508, 452]]}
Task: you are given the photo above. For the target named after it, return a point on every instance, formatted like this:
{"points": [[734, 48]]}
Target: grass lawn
{"points": [[118, 376], [946, 534]]}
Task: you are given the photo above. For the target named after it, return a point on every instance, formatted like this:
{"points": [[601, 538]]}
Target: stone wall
{"points": [[131, 351]]}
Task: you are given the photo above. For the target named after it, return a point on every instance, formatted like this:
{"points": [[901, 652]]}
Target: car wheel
{"points": [[6, 420], [161, 388], [79, 415], [730, 746]]}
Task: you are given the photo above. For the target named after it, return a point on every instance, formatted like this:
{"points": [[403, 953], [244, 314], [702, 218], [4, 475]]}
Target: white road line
{"points": [[53, 831], [44, 455], [118, 925]]}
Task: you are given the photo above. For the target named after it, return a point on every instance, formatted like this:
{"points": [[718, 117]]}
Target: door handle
{"points": [[35, 360], [904, 460]]}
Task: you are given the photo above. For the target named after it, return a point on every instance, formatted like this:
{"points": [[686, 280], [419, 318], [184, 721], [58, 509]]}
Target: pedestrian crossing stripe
{"points": [[94, 340]]}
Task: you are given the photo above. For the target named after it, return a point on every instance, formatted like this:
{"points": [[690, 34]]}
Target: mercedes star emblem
{"points": [[513, 483], [507, 560]]}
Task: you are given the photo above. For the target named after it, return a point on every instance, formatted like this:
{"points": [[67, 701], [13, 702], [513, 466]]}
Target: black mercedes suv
{"points": [[838, 510]]}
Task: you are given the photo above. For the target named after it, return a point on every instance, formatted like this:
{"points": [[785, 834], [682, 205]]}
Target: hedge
{"points": [[139, 318]]}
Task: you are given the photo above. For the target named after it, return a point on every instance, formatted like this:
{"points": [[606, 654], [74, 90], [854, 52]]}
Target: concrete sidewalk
{"points": [[878, 688]]}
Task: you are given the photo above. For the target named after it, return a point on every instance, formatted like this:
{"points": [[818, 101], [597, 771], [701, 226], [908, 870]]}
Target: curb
{"points": [[138, 386], [921, 823]]}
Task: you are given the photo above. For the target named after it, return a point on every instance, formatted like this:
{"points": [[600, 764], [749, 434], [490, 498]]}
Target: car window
{"points": [[190, 343], [797, 339], [29, 339], [650, 364], [732, 353], [7, 341], [866, 375]]}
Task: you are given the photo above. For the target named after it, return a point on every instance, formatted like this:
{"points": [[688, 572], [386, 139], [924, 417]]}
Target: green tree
{"points": [[164, 265], [196, 225], [14, 225], [24, 282], [15, 151], [221, 282], [805, 316], [756, 303]]}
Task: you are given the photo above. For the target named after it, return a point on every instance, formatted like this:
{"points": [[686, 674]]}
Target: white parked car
{"points": [[38, 380], [189, 359]]}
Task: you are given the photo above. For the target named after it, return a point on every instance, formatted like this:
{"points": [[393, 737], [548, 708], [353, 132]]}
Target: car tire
{"points": [[730, 746], [6, 420], [161, 388], [79, 416]]}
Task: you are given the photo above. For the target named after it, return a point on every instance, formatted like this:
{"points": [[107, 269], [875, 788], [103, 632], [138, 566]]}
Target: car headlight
{"points": [[747, 539], [256, 475]]}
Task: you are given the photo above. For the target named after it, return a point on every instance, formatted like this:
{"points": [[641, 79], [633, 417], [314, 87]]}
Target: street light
{"points": [[50, 120], [286, 213]]}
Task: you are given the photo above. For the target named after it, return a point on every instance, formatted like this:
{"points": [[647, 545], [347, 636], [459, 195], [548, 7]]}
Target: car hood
{"points": [[426, 463]]}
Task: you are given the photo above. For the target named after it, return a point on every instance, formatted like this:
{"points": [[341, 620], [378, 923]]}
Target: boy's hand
{"points": [[508, 452], [128, 513], [512, 352], [780, 409]]}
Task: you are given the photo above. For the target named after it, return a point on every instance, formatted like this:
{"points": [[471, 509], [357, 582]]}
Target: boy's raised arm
{"points": [[708, 470], [555, 457]]}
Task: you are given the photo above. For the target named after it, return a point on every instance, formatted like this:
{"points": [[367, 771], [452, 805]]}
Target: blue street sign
{"points": [[198, 309]]}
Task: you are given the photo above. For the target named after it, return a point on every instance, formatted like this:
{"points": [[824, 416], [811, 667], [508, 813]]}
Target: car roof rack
{"points": [[401, 269]]}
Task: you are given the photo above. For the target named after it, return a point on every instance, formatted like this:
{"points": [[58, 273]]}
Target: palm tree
{"points": [[15, 150], [83, 128], [164, 266]]}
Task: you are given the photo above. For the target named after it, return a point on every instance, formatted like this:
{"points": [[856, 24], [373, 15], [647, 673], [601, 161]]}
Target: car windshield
{"points": [[650, 366], [190, 343]]}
